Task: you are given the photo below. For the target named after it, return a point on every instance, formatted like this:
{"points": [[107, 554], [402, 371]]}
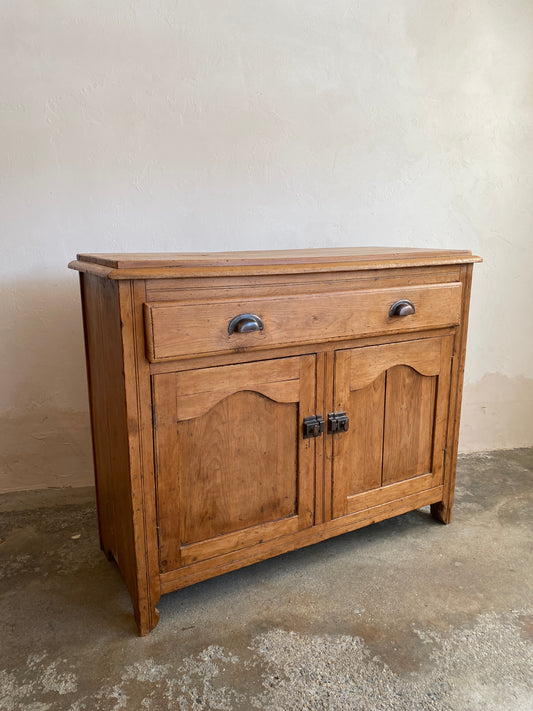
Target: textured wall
{"points": [[235, 124]]}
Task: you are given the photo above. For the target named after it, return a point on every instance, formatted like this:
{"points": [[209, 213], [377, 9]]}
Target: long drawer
{"points": [[181, 329]]}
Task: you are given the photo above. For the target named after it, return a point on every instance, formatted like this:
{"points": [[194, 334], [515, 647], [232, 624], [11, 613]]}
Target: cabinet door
{"points": [[233, 468], [396, 397]]}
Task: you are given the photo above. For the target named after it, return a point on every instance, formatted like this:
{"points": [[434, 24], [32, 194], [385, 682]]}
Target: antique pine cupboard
{"points": [[246, 404]]}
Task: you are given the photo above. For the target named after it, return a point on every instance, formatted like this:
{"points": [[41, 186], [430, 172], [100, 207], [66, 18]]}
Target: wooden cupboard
{"points": [[246, 404]]}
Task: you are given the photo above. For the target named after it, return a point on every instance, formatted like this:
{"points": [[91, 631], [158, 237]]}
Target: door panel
{"points": [[232, 466], [409, 423], [245, 427], [396, 396]]}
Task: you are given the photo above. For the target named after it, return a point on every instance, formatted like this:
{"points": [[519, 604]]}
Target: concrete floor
{"points": [[404, 614]]}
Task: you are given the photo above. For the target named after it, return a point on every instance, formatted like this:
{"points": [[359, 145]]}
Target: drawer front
{"points": [[191, 328]]}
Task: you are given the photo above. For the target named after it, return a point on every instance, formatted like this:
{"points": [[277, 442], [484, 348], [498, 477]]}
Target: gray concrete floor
{"points": [[404, 614]]}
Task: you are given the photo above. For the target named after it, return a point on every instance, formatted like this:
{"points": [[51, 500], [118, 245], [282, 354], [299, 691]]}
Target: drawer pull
{"points": [[245, 323], [404, 307]]}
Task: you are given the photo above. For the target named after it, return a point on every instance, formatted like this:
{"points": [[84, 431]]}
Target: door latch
{"points": [[338, 422], [313, 426]]}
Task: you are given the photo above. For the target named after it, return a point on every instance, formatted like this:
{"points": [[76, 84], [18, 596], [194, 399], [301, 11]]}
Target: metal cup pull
{"points": [[245, 323], [403, 307]]}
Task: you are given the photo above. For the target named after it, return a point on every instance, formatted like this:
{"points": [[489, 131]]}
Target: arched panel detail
{"points": [[196, 405], [199, 390], [369, 363]]}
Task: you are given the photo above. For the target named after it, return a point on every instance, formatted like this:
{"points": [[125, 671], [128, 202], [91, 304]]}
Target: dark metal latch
{"points": [[313, 426], [338, 422]]}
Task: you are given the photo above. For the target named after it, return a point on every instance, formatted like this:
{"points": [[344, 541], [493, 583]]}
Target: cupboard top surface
{"points": [[163, 265]]}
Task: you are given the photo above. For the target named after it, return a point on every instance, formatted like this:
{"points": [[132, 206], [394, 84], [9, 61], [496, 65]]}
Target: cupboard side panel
{"points": [[109, 424], [442, 510], [93, 328]]}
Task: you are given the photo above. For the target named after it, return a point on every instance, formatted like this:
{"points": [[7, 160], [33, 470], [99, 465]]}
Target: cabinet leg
{"points": [[442, 512], [146, 619]]}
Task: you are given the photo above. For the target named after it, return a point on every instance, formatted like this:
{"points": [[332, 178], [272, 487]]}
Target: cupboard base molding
{"points": [[247, 404]]}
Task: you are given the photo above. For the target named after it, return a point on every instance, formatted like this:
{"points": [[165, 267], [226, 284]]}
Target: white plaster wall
{"points": [[228, 124]]}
